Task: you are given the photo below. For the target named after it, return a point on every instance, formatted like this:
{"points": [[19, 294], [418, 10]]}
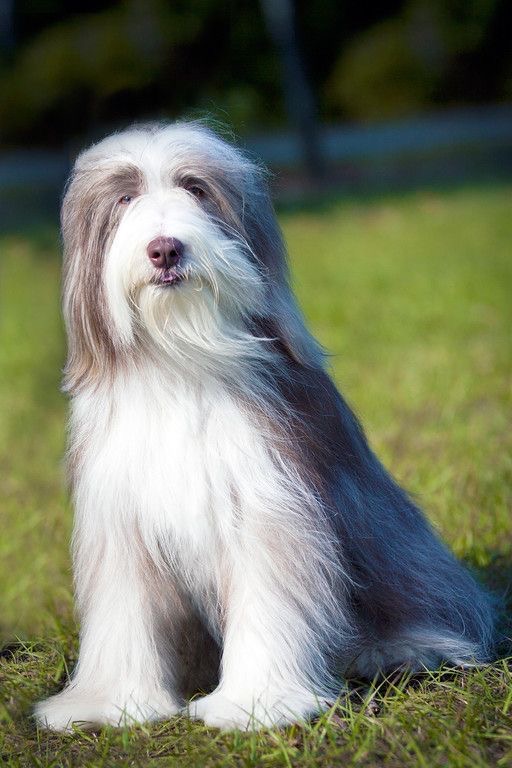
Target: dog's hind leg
{"points": [[416, 650]]}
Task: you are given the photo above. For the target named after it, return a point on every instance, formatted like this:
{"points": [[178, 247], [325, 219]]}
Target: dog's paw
{"points": [[73, 707], [219, 711]]}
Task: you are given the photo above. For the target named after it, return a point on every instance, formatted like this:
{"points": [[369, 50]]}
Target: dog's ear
{"points": [[280, 318], [85, 230], [89, 218]]}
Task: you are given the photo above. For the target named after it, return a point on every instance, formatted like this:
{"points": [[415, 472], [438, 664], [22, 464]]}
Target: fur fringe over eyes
{"points": [[234, 533]]}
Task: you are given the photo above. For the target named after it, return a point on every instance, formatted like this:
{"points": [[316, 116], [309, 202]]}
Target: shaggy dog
{"points": [[234, 533]]}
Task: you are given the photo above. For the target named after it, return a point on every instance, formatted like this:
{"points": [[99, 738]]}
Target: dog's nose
{"points": [[165, 252]]}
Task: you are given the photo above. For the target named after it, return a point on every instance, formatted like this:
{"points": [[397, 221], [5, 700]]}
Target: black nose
{"points": [[165, 252]]}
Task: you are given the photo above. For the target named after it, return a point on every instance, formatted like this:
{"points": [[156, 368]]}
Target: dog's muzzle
{"points": [[166, 253]]}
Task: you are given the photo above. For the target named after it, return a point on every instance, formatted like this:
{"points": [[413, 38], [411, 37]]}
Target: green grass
{"points": [[412, 295]]}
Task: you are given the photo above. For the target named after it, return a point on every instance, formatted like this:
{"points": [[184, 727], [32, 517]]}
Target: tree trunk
{"points": [[299, 100], [6, 27]]}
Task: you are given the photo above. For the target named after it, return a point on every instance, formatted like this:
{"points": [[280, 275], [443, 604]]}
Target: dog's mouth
{"points": [[170, 277]]}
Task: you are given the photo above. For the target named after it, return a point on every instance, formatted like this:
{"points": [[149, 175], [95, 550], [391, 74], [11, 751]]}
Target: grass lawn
{"points": [[413, 297]]}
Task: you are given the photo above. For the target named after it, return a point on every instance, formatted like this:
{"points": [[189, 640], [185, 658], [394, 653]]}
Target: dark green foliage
{"points": [[76, 69]]}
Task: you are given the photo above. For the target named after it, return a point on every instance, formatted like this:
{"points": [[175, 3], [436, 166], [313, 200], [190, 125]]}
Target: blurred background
{"points": [[352, 95]]}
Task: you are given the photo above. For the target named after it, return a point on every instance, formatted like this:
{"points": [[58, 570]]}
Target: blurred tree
{"points": [[136, 59], [6, 26], [380, 75], [298, 95], [84, 66], [405, 63], [73, 68]]}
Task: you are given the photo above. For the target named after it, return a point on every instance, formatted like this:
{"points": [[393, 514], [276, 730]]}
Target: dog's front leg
{"points": [[271, 662], [119, 677]]}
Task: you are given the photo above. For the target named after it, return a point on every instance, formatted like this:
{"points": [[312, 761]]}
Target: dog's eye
{"points": [[196, 191], [125, 200]]}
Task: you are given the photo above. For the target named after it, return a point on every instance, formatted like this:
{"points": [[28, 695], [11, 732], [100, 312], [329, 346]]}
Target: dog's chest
{"points": [[170, 459]]}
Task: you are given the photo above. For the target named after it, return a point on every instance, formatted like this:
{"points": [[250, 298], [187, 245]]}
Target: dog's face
{"points": [[169, 234]]}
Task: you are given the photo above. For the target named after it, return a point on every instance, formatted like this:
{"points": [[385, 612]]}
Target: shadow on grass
{"points": [[497, 576]]}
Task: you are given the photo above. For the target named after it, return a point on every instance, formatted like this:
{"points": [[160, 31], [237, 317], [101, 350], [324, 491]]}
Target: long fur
{"points": [[234, 532]]}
